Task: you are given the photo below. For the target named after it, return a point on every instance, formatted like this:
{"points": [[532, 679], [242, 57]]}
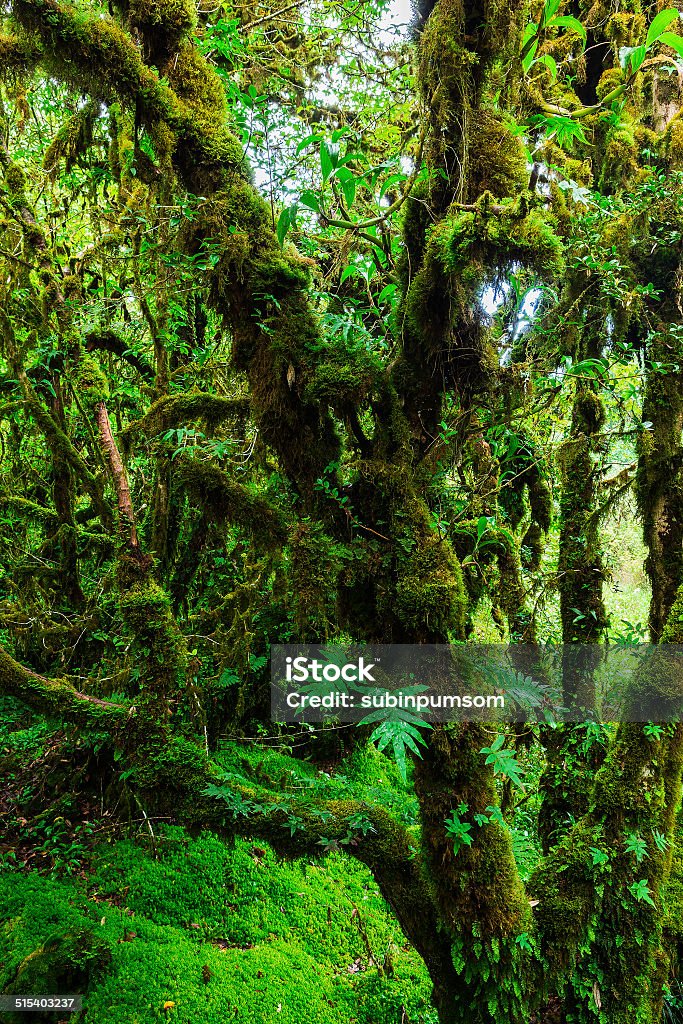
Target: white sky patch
{"points": [[398, 12]]}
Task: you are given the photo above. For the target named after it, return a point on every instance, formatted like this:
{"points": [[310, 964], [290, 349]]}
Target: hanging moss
{"points": [[626, 28], [621, 159], [225, 500], [472, 242], [72, 140], [173, 19], [344, 378], [18, 56]]}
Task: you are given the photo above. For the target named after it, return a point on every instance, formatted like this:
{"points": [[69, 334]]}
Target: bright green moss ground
{"points": [[278, 942], [278, 939]]}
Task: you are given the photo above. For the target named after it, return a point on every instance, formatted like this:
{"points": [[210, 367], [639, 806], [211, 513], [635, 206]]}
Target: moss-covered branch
{"points": [[177, 410], [179, 780], [57, 699]]}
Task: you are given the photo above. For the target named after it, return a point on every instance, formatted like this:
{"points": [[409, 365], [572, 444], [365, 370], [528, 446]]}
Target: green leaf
{"points": [[348, 271], [565, 129], [637, 58], [567, 21], [672, 40], [549, 62], [550, 10], [326, 161], [310, 200], [528, 60], [386, 294], [348, 183], [392, 180], [641, 891], [307, 142], [659, 24], [284, 224]]}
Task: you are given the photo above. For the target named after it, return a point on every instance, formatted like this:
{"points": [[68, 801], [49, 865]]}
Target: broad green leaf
{"points": [[549, 62], [637, 58], [326, 161], [392, 180], [567, 21], [348, 271], [659, 24], [310, 200], [387, 293], [284, 224], [347, 180], [529, 32], [550, 10], [528, 60], [672, 40], [307, 142]]}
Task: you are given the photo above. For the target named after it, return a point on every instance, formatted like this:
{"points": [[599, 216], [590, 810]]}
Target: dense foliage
{"points": [[316, 326]]}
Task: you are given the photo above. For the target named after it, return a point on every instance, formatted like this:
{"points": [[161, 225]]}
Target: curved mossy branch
{"points": [[258, 290], [18, 55], [38, 513], [174, 781], [177, 410], [61, 446], [107, 341], [57, 699], [224, 500]]}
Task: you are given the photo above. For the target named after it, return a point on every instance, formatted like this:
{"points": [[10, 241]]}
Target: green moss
{"points": [[480, 900], [430, 594], [91, 382], [673, 629], [18, 55], [674, 144], [497, 157], [177, 410], [564, 886], [175, 18], [215, 930], [313, 568], [226, 500], [344, 378], [72, 140], [473, 242], [159, 645], [621, 158], [626, 29]]}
